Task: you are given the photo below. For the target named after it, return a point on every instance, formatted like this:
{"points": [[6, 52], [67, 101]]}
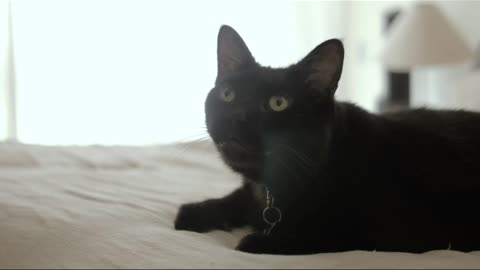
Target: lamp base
{"points": [[388, 105]]}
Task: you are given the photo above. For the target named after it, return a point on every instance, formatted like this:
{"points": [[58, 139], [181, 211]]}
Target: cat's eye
{"points": [[278, 103], [227, 95]]}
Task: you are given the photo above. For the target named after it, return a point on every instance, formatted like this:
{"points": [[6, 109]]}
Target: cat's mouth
{"points": [[235, 144], [239, 154]]}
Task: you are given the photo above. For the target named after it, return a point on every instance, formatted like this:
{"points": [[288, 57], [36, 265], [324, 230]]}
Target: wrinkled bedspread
{"points": [[114, 206]]}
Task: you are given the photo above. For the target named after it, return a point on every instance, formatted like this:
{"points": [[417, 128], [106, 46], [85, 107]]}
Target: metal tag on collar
{"points": [[271, 214]]}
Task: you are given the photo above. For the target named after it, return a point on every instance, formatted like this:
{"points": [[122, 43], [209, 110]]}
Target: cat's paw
{"points": [[199, 217], [257, 243]]}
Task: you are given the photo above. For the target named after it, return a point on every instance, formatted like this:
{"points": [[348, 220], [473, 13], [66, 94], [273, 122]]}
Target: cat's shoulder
{"points": [[449, 121], [435, 115]]}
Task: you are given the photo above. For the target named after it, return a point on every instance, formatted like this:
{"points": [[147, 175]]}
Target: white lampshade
{"points": [[423, 36]]}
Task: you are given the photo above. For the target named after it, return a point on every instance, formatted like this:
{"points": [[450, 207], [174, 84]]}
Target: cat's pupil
{"points": [[279, 102]]}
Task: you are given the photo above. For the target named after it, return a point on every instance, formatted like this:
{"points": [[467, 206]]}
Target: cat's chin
{"points": [[239, 160], [251, 173], [249, 168], [245, 163], [240, 157], [242, 164]]}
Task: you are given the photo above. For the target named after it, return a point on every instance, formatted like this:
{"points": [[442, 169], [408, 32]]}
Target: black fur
{"points": [[344, 179]]}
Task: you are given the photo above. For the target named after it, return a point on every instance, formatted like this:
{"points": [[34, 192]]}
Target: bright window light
{"points": [[133, 71]]}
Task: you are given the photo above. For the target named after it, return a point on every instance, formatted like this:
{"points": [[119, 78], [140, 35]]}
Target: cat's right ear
{"points": [[322, 67], [233, 54]]}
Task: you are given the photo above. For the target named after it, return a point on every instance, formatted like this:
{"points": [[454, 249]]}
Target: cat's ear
{"points": [[322, 67], [232, 52]]}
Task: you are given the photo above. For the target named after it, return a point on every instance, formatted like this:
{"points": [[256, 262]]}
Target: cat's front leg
{"points": [[259, 243], [298, 242], [232, 211]]}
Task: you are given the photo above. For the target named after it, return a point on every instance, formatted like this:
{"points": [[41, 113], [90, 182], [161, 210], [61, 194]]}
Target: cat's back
{"points": [[426, 168], [437, 145], [446, 123], [419, 145]]}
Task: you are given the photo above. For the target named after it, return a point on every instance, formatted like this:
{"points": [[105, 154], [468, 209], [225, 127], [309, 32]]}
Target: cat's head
{"points": [[256, 114]]}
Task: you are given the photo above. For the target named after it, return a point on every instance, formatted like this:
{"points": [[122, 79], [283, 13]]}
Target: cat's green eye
{"points": [[227, 94], [278, 103]]}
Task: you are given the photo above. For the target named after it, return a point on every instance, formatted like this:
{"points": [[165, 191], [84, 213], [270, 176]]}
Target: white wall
{"points": [[3, 71]]}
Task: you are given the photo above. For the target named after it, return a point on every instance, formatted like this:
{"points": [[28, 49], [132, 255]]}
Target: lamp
{"points": [[423, 36]]}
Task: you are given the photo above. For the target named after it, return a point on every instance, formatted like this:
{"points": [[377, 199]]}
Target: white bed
{"points": [[113, 207]]}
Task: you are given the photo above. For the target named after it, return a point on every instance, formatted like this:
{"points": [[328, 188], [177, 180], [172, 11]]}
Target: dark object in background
{"points": [[398, 83]]}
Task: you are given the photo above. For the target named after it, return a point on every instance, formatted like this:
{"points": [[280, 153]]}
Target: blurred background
{"points": [[137, 71]]}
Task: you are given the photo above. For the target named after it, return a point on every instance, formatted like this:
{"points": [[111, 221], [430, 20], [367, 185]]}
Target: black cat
{"points": [[343, 178]]}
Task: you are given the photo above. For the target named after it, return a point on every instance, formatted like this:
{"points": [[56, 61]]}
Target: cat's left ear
{"points": [[233, 54], [322, 67]]}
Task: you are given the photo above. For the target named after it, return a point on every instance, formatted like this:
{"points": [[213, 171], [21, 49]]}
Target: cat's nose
{"points": [[240, 116], [238, 119]]}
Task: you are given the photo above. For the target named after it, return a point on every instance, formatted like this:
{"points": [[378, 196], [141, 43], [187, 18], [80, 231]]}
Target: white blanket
{"points": [[113, 207]]}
